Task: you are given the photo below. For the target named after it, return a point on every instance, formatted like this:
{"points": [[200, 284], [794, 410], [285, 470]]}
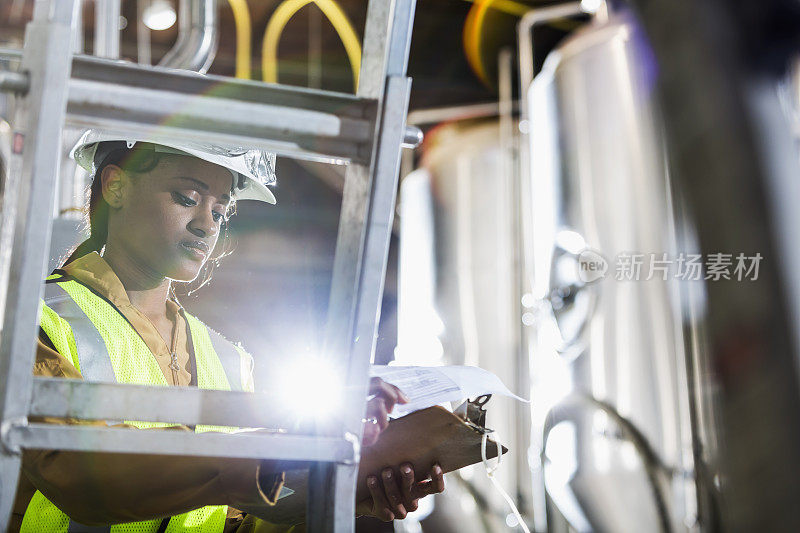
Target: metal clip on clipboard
{"points": [[474, 413]]}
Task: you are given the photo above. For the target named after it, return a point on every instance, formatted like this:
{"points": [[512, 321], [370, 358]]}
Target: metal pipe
{"points": [[443, 114], [522, 414], [315, 48], [10, 54], [106, 28], [198, 36], [659, 475], [525, 275], [440, 114], [525, 27], [15, 82], [143, 47], [77, 30]]}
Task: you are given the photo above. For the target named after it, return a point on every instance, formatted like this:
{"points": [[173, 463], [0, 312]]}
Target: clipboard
{"points": [[422, 438]]}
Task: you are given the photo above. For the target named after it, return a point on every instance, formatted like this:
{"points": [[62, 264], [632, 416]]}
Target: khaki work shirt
{"points": [[103, 488]]}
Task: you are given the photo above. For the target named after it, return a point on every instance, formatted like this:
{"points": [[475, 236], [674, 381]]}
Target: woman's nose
{"points": [[203, 224]]}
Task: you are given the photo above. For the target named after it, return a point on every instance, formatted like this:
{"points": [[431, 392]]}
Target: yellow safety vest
{"points": [[91, 333]]}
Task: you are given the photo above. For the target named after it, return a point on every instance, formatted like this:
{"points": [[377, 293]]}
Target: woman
{"points": [[155, 214]]}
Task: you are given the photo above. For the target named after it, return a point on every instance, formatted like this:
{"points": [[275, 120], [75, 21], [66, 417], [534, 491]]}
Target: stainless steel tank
{"points": [[612, 433], [457, 298]]}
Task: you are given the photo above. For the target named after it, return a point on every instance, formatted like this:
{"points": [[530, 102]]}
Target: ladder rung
{"points": [[73, 398], [297, 122], [279, 446]]}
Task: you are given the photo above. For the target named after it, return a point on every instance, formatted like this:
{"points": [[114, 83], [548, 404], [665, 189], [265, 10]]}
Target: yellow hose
{"points": [[473, 29], [241, 17], [509, 6], [285, 11]]}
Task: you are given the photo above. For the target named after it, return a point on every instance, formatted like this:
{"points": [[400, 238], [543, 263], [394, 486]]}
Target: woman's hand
{"points": [[385, 396], [394, 498]]}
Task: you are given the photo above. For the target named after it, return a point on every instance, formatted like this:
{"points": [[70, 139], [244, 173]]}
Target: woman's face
{"points": [[168, 220]]}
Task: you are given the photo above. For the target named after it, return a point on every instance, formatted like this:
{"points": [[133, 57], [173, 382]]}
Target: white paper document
{"points": [[432, 385]]}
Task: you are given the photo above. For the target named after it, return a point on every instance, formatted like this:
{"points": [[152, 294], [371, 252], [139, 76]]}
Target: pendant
{"points": [[173, 364]]}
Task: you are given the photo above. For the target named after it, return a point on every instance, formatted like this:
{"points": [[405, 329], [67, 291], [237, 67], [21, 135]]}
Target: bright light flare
{"points": [[591, 6], [312, 387], [159, 15]]}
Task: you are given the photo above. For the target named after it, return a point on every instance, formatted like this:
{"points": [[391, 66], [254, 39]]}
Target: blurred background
{"points": [[561, 139]]}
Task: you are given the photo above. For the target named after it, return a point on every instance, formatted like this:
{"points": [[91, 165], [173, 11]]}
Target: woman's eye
{"points": [[183, 200], [218, 217]]}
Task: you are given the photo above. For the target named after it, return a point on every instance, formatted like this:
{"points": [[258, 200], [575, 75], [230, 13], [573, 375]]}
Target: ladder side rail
{"points": [[40, 117], [371, 284], [377, 228], [362, 248], [350, 237], [379, 57], [320, 505]]}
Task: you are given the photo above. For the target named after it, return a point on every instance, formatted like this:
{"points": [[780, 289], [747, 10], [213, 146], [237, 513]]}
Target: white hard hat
{"points": [[252, 170]]}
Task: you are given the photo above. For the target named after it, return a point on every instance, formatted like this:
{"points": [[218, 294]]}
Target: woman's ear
{"points": [[114, 183]]}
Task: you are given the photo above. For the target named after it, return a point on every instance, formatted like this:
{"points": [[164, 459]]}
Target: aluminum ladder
{"points": [[364, 131]]}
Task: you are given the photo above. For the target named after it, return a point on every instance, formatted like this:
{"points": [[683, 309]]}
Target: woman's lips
{"points": [[198, 249]]}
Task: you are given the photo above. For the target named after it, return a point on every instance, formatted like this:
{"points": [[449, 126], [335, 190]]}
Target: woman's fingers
{"points": [[388, 392], [378, 413], [380, 507], [433, 486], [393, 495], [437, 478], [385, 396], [406, 487], [371, 433], [377, 419]]}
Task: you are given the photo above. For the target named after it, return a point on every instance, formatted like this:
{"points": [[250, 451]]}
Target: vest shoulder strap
{"points": [[93, 358]]}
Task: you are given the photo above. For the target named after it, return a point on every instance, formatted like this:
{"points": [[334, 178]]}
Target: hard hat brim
{"points": [[255, 166]]}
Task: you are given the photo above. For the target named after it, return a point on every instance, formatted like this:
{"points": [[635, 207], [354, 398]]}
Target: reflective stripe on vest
{"points": [[110, 350], [95, 364]]}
